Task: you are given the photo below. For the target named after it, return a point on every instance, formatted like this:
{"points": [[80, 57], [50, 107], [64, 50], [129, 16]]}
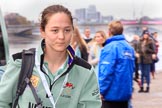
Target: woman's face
{"points": [[145, 36], [99, 38], [58, 32]]}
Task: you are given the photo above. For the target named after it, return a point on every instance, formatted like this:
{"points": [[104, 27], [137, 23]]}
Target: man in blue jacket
{"points": [[116, 67]]}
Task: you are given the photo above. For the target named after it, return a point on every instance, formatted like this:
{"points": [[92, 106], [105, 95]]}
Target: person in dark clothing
{"points": [[145, 30], [155, 59], [146, 49], [87, 33], [135, 45]]}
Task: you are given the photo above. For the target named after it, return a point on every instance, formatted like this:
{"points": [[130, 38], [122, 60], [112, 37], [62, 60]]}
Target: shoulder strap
{"points": [[82, 62], [28, 61]]}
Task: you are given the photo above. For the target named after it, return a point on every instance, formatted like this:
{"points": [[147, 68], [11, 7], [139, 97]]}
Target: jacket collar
{"points": [[115, 38], [40, 55]]}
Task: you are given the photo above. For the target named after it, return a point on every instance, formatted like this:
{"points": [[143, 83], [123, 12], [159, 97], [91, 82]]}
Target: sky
{"points": [[128, 9]]}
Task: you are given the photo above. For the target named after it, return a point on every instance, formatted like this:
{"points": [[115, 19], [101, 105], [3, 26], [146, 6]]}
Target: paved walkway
{"points": [[153, 99]]}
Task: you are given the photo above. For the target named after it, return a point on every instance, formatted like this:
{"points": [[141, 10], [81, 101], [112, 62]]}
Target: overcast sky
{"points": [[118, 8]]}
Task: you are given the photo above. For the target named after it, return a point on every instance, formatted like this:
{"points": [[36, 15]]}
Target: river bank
{"points": [[18, 43]]}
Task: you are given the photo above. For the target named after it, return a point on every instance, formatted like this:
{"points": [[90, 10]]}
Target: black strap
{"points": [[37, 99], [28, 61]]}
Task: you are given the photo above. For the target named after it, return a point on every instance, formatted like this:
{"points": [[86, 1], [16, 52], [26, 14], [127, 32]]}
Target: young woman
{"points": [[60, 79], [146, 49], [95, 50], [79, 45]]}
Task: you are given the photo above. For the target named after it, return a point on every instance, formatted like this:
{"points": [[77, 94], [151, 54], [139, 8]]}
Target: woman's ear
{"points": [[42, 33]]}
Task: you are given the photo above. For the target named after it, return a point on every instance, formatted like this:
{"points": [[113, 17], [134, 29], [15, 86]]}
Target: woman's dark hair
{"points": [[53, 9]]}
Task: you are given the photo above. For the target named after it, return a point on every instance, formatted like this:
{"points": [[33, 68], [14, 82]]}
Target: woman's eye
{"points": [[55, 31], [67, 30]]}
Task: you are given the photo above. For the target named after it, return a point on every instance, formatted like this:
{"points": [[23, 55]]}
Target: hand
{"points": [[102, 98], [137, 55], [153, 56], [157, 43]]}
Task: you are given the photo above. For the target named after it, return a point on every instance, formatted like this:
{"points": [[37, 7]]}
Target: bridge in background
{"points": [[20, 29], [128, 26]]}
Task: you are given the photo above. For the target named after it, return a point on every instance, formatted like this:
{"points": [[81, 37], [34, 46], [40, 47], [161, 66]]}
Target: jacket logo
{"points": [[67, 90], [34, 80], [69, 85], [95, 92]]}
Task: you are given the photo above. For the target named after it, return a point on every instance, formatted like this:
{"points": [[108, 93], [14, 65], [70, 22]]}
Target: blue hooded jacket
{"points": [[116, 67]]}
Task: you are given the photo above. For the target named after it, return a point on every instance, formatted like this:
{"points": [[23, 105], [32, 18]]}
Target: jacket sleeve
{"points": [[106, 68], [90, 95], [8, 84], [151, 48]]}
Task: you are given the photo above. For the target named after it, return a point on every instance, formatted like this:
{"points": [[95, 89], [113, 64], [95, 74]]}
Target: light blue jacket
{"points": [[79, 91], [2, 68], [116, 68]]}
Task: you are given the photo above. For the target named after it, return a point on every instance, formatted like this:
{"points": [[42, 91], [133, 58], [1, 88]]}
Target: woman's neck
{"points": [[55, 60]]}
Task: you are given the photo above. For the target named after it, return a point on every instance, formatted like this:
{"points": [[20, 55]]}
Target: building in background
{"points": [[91, 15]]}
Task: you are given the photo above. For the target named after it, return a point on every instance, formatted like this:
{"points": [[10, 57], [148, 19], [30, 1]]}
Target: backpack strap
{"points": [[28, 61]]}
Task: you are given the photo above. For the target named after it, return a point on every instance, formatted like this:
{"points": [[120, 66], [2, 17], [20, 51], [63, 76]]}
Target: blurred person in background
{"points": [[135, 44], [88, 39], [146, 49], [79, 45], [116, 67], [144, 30], [94, 54], [87, 35], [155, 56]]}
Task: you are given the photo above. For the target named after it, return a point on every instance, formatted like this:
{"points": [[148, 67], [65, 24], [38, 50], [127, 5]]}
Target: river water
{"points": [[17, 43]]}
